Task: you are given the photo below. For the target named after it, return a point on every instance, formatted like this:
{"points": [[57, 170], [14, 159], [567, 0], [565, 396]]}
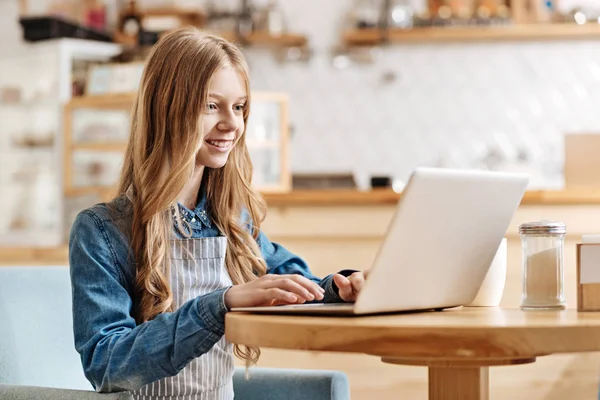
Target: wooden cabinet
{"points": [[95, 137], [97, 129], [267, 138]]}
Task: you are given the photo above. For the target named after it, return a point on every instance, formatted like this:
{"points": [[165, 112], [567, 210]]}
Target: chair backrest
{"points": [[36, 329]]}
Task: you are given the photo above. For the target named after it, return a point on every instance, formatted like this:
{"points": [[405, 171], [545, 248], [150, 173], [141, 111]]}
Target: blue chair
{"points": [[38, 359]]}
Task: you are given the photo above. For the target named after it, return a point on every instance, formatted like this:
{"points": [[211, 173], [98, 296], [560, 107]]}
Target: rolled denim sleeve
{"points": [[116, 353], [281, 261]]}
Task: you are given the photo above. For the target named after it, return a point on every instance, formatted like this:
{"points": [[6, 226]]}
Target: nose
{"points": [[227, 123]]}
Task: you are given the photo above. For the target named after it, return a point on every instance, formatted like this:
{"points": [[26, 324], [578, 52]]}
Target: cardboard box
{"points": [[582, 161], [588, 276]]}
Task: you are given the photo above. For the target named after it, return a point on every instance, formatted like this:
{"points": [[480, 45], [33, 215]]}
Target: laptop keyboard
{"points": [[317, 305]]}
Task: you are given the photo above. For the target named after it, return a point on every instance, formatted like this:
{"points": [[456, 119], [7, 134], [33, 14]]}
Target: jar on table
{"points": [[543, 265]]}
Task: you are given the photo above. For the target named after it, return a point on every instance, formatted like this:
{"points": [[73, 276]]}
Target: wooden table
{"points": [[457, 345]]}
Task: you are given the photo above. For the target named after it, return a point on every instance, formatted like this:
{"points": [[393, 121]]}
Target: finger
{"points": [[341, 281], [276, 302], [279, 296], [306, 283], [357, 280], [366, 273], [299, 301], [344, 286], [314, 288], [292, 286]]}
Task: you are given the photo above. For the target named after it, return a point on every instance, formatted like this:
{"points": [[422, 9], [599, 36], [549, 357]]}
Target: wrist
{"points": [[227, 299], [212, 310], [331, 294]]}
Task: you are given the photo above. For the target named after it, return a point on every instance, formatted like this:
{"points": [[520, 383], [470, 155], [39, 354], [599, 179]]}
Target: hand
{"points": [[273, 290], [349, 287]]}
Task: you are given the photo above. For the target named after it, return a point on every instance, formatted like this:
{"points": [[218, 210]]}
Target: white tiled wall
{"points": [[463, 105], [450, 105]]}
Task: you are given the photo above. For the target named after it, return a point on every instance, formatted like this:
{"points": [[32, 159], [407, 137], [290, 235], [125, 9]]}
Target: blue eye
{"points": [[240, 107], [211, 106]]}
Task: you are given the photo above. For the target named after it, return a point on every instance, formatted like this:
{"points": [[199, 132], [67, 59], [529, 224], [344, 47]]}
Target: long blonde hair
{"points": [[160, 158]]}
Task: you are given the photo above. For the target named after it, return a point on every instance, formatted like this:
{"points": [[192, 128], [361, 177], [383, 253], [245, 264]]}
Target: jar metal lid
{"points": [[543, 227]]}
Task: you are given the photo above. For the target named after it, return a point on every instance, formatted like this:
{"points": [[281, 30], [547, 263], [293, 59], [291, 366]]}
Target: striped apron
{"points": [[197, 268]]}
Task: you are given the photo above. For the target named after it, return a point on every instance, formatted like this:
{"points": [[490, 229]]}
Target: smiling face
{"points": [[222, 120]]}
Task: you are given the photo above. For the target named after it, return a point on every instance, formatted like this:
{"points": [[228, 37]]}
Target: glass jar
{"points": [[543, 265]]}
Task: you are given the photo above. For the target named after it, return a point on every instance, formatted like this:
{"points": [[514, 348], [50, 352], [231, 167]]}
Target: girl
{"points": [[155, 270]]}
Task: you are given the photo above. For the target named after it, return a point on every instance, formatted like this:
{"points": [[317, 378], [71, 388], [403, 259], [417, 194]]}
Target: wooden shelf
{"points": [[121, 147], [351, 197], [182, 13], [266, 39], [23, 255], [110, 101], [372, 37], [102, 191], [192, 17]]}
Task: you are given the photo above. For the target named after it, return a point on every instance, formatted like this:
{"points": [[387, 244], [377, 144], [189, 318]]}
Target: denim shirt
{"points": [[117, 354]]}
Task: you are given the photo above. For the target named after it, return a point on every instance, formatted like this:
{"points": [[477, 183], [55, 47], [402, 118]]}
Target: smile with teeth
{"points": [[219, 143]]}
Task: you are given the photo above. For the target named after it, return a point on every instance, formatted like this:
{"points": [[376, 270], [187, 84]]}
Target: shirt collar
{"points": [[199, 213]]}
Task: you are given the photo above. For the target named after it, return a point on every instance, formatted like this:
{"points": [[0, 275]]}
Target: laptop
{"points": [[438, 247]]}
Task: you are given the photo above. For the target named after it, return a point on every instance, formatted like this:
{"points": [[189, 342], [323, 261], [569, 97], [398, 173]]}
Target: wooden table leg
{"points": [[466, 383], [458, 379]]}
